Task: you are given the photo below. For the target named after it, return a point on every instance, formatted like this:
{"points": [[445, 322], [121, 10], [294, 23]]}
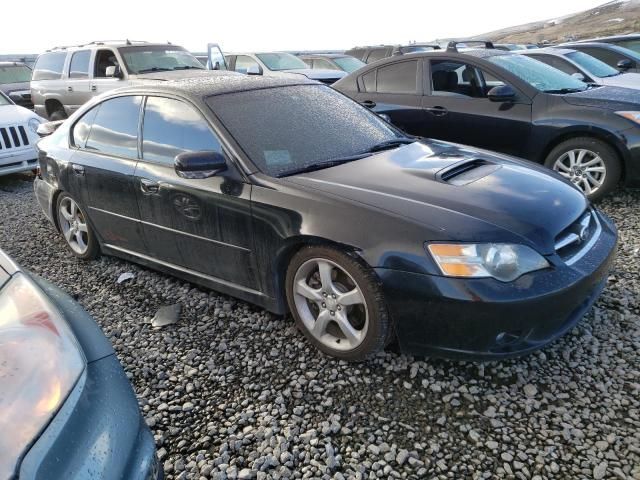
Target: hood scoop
{"points": [[466, 171]]}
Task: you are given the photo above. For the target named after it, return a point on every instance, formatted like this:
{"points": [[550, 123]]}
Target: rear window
{"points": [[49, 66], [14, 74]]}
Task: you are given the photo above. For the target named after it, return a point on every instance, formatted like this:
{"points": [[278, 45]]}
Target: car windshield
{"points": [[154, 58], [349, 64], [630, 44], [288, 129], [14, 74], [281, 61], [4, 100], [593, 65], [539, 75]]}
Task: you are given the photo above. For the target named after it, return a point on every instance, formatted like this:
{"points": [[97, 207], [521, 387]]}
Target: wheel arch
{"points": [[51, 105]]}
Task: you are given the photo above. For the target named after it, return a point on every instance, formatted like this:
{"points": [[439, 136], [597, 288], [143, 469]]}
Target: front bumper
{"points": [[18, 161], [632, 157], [487, 319], [99, 431]]}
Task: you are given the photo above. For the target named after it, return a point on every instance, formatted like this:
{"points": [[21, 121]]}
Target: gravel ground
{"points": [[232, 391]]}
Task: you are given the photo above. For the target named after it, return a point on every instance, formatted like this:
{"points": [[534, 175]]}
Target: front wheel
{"points": [[590, 164], [337, 303], [76, 229]]}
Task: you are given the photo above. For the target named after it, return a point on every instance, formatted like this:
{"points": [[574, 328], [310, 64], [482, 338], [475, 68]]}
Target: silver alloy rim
{"points": [[73, 225], [582, 167], [330, 304]]}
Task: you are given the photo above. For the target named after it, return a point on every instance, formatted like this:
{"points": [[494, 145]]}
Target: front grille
{"points": [[575, 240], [13, 137]]}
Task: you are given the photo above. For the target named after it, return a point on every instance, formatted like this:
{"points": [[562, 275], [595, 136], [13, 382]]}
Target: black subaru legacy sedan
{"points": [[289, 195]]}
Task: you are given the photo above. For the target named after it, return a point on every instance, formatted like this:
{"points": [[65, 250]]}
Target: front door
{"points": [[201, 224], [458, 109], [106, 139], [101, 82]]}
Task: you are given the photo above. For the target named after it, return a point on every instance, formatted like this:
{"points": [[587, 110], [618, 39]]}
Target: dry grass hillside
{"points": [[620, 16]]}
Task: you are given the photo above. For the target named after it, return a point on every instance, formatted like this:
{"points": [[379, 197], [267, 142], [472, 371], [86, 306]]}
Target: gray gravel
{"points": [[231, 391]]}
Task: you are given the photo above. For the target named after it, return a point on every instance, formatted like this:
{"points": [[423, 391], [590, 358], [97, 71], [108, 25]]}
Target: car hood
{"points": [[612, 98], [627, 80], [435, 183], [180, 74], [318, 73], [14, 114], [15, 87]]}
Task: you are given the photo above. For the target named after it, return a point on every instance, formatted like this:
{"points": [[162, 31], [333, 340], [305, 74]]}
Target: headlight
{"points": [[40, 362], [502, 261], [633, 116], [34, 123]]}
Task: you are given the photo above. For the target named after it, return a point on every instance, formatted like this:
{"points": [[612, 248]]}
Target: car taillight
{"points": [[40, 362]]}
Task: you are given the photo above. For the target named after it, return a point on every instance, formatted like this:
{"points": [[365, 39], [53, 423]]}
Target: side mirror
{"points": [[502, 93], [624, 65], [198, 165], [46, 129], [579, 76], [113, 71], [385, 117], [254, 70]]}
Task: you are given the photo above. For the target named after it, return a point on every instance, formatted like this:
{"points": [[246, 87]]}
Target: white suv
{"points": [[17, 137]]}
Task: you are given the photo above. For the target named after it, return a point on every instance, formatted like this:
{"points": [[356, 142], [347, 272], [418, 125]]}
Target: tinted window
{"points": [[172, 127], [80, 64], [369, 81], [83, 126], [630, 44], [49, 66], [14, 74], [243, 62], [398, 78], [377, 54], [115, 128], [556, 62], [610, 57], [452, 78], [287, 128]]}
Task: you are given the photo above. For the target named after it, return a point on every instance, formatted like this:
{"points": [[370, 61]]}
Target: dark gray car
{"points": [[623, 59], [14, 82], [66, 406]]}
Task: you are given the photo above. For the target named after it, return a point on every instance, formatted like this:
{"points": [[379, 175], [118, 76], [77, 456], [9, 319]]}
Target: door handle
{"points": [[149, 186], [437, 111], [369, 103], [93, 88], [78, 170], [69, 89]]}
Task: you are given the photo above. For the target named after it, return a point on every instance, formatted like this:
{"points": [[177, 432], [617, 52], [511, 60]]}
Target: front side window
{"points": [[399, 77], [79, 67], [14, 74], [158, 58], [115, 128], [49, 66], [539, 75], [281, 61], [244, 62], [591, 64], [630, 44], [285, 129], [172, 127]]}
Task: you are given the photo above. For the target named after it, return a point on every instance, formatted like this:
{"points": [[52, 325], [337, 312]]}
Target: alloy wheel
{"points": [[331, 304], [584, 168], [73, 225]]}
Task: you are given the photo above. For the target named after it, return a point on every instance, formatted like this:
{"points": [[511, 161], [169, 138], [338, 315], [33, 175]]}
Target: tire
{"points": [[58, 114], [606, 171], [350, 327], [76, 228]]}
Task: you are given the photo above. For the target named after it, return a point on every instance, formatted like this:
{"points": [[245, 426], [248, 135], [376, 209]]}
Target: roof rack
{"points": [[402, 49], [453, 46], [126, 41]]}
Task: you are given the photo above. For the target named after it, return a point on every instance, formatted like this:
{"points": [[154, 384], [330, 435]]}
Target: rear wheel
{"points": [[58, 114], [76, 229], [590, 164], [337, 303]]}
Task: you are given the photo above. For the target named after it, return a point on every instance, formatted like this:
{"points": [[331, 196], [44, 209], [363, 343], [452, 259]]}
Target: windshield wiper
{"points": [[154, 69], [566, 90], [188, 67], [319, 166], [395, 142]]}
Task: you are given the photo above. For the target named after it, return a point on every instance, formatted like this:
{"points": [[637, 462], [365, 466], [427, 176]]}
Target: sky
{"points": [[239, 25]]}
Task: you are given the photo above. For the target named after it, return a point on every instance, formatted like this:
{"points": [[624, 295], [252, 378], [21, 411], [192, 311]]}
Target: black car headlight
{"points": [[40, 362], [502, 261]]}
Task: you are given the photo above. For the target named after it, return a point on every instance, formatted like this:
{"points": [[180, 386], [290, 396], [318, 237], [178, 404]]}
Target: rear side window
{"points": [[49, 66], [115, 128], [399, 77], [369, 81], [172, 127], [80, 64], [83, 126]]}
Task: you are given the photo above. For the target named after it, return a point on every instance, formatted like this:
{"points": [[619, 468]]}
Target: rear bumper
{"points": [[487, 319], [18, 161], [44, 194]]}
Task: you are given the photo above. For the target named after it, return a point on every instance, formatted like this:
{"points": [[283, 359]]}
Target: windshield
{"points": [[143, 59], [539, 75], [281, 61], [4, 100], [349, 64], [286, 129], [592, 65], [630, 44], [15, 74]]}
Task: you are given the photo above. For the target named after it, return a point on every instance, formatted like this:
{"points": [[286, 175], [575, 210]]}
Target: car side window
{"points": [[82, 127], [401, 77], [609, 57], [172, 127], [458, 79], [49, 66], [243, 62], [115, 128], [369, 81], [79, 67], [104, 59]]}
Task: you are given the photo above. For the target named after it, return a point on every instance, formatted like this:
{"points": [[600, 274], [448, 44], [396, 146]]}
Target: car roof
{"points": [[324, 55], [109, 43], [628, 36], [13, 64], [606, 45], [207, 83]]}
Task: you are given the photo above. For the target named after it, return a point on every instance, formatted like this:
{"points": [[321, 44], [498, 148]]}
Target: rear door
{"points": [[79, 84], [201, 224], [458, 109]]}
